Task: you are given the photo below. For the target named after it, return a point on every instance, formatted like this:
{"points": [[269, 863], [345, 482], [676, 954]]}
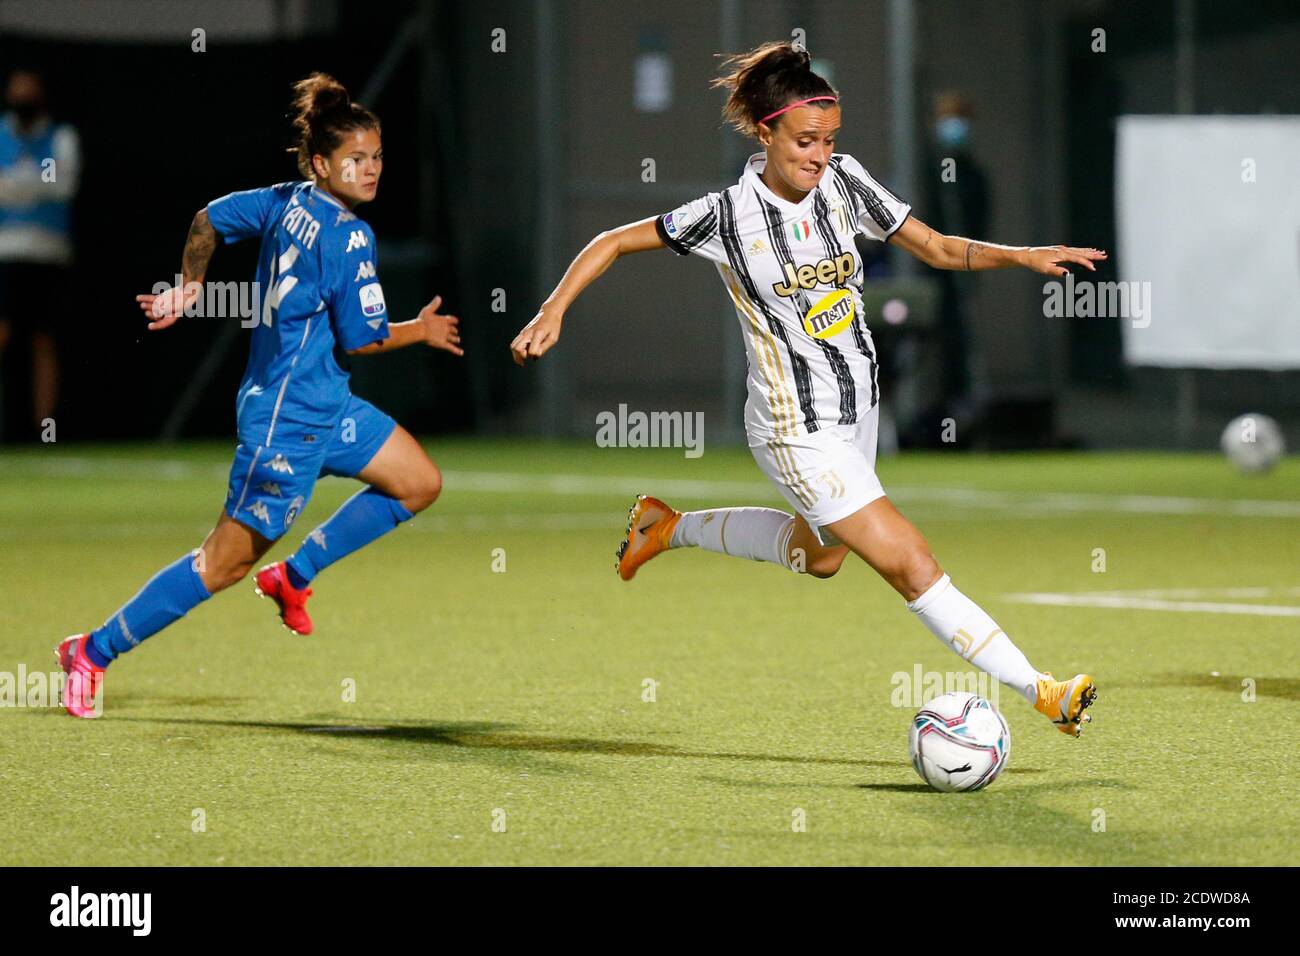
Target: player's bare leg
{"points": [[899, 553], [403, 470], [229, 553], [45, 378]]}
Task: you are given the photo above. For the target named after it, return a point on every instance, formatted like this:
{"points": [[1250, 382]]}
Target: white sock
{"points": [[760, 534], [964, 626]]}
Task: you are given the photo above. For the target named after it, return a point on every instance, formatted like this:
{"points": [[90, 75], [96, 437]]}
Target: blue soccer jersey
{"points": [[319, 297]]}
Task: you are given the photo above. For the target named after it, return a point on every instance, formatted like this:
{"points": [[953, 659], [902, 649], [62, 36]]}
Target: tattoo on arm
{"points": [[199, 246], [973, 248]]}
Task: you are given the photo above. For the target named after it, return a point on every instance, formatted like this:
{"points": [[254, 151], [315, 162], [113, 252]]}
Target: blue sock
{"points": [[170, 594], [361, 519], [295, 579]]}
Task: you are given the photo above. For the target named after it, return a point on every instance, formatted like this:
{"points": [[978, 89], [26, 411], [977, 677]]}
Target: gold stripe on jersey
{"points": [[783, 409], [780, 403], [785, 463]]}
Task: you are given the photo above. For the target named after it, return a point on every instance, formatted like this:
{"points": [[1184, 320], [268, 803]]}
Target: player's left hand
{"points": [[440, 331], [1048, 259]]}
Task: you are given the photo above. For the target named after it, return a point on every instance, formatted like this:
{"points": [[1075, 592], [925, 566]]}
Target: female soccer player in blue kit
{"points": [[297, 417]]}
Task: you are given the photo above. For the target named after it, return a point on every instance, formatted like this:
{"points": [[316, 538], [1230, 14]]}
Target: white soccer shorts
{"points": [[827, 475]]}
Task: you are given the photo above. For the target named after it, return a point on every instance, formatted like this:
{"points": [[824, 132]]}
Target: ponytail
{"points": [[767, 79]]}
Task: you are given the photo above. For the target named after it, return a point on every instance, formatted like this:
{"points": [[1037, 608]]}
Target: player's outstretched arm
{"points": [[428, 328], [537, 337], [969, 255], [165, 308]]}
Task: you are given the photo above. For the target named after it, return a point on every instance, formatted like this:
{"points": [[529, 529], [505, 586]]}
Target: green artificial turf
{"points": [[516, 698]]}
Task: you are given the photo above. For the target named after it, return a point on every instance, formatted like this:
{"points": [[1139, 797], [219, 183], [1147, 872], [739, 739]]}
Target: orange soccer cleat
{"points": [[650, 526], [1063, 702]]}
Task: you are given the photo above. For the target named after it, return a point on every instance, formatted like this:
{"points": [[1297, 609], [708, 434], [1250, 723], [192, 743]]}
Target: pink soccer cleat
{"points": [[81, 691], [273, 582]]}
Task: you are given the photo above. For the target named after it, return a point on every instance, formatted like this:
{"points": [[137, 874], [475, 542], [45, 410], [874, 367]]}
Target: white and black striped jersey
{"points": [[796, 280]]}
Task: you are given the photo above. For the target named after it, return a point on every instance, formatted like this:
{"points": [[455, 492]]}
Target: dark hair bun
{"points": [[766, 79]]}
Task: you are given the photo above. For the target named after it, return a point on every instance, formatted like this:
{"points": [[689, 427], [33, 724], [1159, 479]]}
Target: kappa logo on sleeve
{"points": [[372, 299], [365, 270], [356, 240]]}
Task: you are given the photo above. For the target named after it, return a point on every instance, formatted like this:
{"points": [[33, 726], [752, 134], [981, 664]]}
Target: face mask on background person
{"points": [[952, 131]]}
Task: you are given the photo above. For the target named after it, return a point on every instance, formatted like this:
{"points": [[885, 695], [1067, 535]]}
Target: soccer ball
{"points": [[959, 742], [1253, 442]]}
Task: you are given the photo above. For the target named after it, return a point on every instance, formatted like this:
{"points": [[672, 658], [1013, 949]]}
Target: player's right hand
{"points": [[164, 308], [536, 338]]}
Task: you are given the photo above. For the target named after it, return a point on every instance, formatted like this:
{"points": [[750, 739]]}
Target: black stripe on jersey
{"points": [[692, 237], [870, 198], [730, 236], [843, 377], [822, 218], [850, 198], [700, 231], [668, 240]]}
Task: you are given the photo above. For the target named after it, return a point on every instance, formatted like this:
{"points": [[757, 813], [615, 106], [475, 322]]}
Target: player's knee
{"points": [[826, 563], [425, 490], [220, 574], [919, 570]]}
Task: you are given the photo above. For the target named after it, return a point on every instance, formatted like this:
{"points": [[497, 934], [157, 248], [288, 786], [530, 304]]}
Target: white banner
{"points": [[1209, 215]]}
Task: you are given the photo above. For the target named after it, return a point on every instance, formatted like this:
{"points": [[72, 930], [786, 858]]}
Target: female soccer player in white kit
{"points": [[782, 241]]}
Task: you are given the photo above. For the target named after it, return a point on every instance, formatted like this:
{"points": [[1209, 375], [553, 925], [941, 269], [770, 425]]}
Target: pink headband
{"points": [[786, 109]]}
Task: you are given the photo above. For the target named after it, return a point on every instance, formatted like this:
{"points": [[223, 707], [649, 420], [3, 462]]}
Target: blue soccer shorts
{"points": [[271, 484]]}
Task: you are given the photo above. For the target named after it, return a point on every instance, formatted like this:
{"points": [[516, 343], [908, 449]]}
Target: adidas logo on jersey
{"points": [[356, 240], [280, 464], [835, 271], [757, 247]]}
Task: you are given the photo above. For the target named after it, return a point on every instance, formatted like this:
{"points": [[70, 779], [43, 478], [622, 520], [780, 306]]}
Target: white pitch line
{"points": [[1258, 592], [1152, 604], [1018, 504]]}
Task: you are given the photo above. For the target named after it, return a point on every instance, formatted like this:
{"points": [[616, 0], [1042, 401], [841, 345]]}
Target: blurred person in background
{"points": [[39, 170], [958, 204]]}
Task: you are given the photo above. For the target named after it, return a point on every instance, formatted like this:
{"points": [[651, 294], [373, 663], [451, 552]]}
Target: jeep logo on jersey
{"points": [[372, 299], [835, 271], [356, 240], [365, 270], [830, 316]]}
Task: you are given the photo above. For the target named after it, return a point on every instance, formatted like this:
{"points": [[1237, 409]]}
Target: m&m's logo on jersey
{"points": [[801, 230], [831, 316]]}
